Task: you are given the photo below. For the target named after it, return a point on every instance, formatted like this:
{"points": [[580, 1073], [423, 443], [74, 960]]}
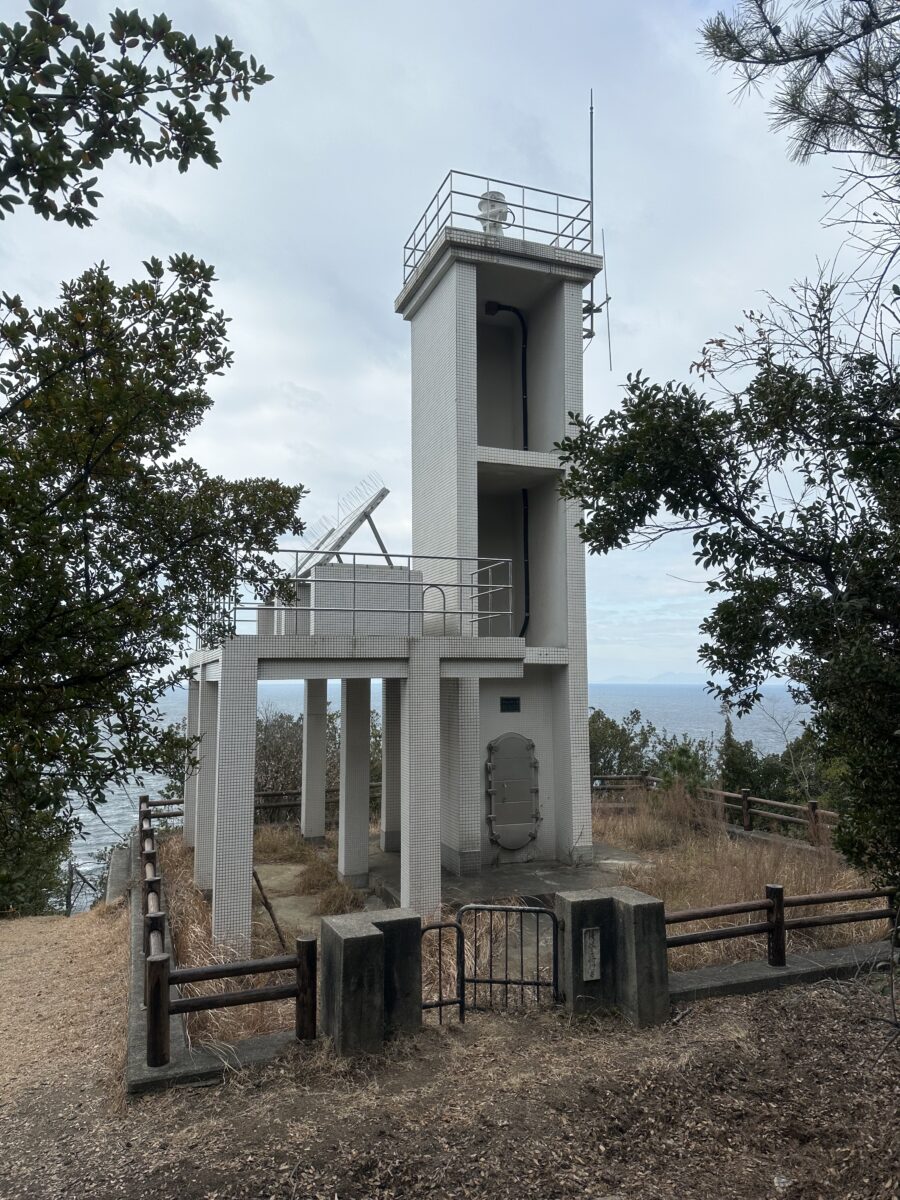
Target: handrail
{"points": [[160, 976], [775, 927]]}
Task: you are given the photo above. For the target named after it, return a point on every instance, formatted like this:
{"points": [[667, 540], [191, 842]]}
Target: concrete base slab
{"points": [[743, 978], [511, 879]]}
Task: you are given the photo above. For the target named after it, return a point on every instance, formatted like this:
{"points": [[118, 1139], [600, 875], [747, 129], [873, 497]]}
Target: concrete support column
{"points": [[205, 816], [420, 795], [190, 774], [472, 802], [312, 785], [390, 765], [613, 953], [353, 814], [235, 770]]}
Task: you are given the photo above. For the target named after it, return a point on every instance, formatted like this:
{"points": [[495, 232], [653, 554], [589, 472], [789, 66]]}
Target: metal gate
{"points": [[492, 956]]}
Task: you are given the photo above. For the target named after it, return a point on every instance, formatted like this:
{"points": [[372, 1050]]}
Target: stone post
{"points": [[190, 776], [390, 765], [235, 771], [312, 783], [205, 812], [353, 817], [420, 797], [613, 953], [371, 978]]}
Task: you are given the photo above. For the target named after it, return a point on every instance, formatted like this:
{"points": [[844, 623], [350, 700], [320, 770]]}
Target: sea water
{"points": [[676, 708]]}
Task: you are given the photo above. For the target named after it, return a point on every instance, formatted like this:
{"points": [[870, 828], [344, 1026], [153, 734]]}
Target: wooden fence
{"points": [[776, 924], [810, 816], [269, 803], [160, 976]]}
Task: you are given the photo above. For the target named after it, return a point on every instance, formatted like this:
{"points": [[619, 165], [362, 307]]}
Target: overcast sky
{"points": [[329, 166]]}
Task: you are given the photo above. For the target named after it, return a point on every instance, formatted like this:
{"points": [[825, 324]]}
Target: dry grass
{"points": [[694, 863], [275, 842], [317, 876], [190, 922], [338, 899]]}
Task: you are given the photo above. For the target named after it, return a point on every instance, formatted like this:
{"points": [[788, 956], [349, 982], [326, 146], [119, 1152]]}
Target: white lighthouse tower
{"points": [[494, 287], [478, 636]]}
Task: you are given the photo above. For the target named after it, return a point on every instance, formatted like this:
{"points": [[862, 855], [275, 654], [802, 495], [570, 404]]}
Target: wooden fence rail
{"points": [[813, 817], [160, 976], [776, 925]]}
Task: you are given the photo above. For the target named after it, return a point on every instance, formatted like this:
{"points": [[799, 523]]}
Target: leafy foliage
{"points": [[72, 97], [788, 482], [837, 67], [111, 546]]}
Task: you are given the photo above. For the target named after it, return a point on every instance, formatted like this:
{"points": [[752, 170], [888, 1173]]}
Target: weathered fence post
{"points": [[305, 1023], [776, 942], [812, 809], [746, 814], [157, 1010]]}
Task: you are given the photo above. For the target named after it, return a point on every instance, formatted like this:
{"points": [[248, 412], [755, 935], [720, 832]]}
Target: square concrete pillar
{"points": [[402, 933], [587, 950], [390, 765], [352, 995], [353, 815], [371, 978], [471, 786], [613, 953], [205, 816], [312, 783], [420, 796], [190, 774], [235, 770], [643, 974]]}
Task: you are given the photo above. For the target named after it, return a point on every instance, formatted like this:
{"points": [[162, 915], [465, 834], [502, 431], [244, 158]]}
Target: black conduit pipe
{"points": [[491, 308]]}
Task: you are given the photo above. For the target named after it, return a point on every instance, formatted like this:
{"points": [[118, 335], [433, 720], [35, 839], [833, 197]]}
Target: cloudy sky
{"points": [[327, 169]]}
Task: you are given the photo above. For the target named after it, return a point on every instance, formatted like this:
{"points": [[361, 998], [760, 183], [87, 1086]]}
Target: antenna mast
{"points": [[591, 139]]}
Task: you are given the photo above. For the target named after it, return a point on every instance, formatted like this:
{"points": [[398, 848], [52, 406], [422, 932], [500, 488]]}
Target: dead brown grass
{"points": [[190, 922], [692, 862], [317, 876], [338, 899], [278, 843]]}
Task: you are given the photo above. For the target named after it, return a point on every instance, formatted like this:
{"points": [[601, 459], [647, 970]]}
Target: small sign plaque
{"points": [[590, 954]]}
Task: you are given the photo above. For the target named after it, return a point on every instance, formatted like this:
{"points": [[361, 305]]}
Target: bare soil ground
{"points": [[778, 1095]]}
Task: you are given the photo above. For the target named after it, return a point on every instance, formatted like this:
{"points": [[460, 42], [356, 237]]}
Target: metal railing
{"points": [[371, 593], [500, 208]]}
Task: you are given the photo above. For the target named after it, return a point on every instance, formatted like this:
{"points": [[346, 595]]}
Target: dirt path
{"points": [[747, 1099]]}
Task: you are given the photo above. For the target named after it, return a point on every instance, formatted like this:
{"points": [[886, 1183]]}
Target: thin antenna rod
{"points": [[591, 137], [606, 301]]}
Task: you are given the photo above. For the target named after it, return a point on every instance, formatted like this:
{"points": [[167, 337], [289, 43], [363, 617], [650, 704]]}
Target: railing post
{"points": [[158, 1010], [812, 809], [746, 814], [305, 1022], [776, 942]]}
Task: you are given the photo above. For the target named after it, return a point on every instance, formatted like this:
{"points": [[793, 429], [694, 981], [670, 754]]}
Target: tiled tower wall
{"points": [[444, 503], [573, 832]]}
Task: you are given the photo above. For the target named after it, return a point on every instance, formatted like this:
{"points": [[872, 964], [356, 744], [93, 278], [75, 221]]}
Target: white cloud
{"points": [[325, 172]]}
